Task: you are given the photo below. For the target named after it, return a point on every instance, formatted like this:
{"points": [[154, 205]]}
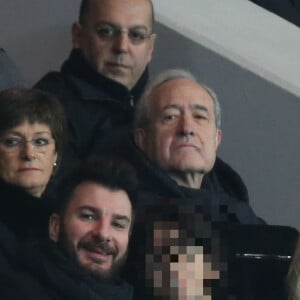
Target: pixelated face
{"points": [[121, 57], [27, 156], [176, 271], [95, 228], [182, 134]]}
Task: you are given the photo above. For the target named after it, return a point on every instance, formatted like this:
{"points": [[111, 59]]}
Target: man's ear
{"points": [[152, 44], [54, 227], [218, 137], [140, 138], [76, 35]]}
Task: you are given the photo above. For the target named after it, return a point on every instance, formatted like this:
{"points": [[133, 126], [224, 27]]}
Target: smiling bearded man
{"points": [[89, 231]]}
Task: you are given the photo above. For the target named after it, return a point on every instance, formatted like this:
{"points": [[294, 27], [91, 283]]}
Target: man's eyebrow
{"points": [[99, 213], [170, 106], [199, 107], [87, 207], [136, 26], [193, 106]]}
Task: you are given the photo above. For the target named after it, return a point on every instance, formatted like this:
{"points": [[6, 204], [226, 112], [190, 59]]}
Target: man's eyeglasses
{"points": [[137, 35], [14, 143]]}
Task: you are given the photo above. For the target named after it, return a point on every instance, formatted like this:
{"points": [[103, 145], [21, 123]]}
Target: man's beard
{"points": [[69, 249]]}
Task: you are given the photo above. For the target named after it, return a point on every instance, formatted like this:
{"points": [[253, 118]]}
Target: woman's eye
{"points": [[40, 142], [11, 142]]}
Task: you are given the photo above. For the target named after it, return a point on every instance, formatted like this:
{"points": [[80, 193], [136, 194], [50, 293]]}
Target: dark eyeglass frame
{"points": [[137, 35], [15, 143]]}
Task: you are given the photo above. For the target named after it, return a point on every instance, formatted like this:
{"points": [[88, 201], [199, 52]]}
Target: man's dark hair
{"points": [[111, 173], [84, 8]]}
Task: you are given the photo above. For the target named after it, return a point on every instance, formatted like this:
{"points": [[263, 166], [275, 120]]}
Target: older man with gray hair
{"points": [[176, 135]]}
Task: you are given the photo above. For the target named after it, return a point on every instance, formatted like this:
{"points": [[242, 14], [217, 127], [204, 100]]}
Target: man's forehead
{"points": [[180, 92], [91, 194], [138, 12]]}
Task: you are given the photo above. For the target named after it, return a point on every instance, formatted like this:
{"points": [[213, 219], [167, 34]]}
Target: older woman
{"points": [[31, 141], [31, 137]]}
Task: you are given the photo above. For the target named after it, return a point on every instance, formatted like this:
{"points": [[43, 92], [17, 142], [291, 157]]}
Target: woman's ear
{"points": [[54, 168]]}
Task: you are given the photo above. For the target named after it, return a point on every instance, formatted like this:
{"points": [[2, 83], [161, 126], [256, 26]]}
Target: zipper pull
{"points": [[131, 101]]}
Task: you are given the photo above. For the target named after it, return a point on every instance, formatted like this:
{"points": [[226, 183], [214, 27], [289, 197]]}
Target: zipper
{"points": [[131, 101]]}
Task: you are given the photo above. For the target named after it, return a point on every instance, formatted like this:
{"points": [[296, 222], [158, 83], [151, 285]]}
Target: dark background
{"points": [[287, 9]]}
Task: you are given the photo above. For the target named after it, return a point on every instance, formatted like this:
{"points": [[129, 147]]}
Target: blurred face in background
{"points": [[182, 268]]}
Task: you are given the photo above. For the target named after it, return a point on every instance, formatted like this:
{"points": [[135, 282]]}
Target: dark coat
{"points": [[98, 109], [47, 274], [21, 216], [222, 184]]}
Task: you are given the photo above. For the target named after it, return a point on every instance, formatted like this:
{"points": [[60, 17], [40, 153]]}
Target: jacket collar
{"points": [[221, 179], [91, 81]]}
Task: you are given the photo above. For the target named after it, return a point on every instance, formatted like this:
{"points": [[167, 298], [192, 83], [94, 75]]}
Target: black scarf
{"points": [[65, 279]]}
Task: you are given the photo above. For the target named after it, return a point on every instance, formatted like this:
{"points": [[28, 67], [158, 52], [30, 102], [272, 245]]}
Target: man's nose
{"points": [[186, 125], [121, 42], [102, 230]]}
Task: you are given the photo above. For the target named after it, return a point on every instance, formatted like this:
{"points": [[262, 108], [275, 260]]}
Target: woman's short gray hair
{"points": [[142, 113]]}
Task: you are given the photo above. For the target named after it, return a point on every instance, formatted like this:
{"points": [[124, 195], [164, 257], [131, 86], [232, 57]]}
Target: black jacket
{"points": [[98, 109], [21, 216], [222, 185], [47, 274]]}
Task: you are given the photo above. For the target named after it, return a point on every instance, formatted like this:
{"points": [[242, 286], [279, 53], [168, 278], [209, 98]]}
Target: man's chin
{"points": [[101, 273], [105, 272], [188, 168]]}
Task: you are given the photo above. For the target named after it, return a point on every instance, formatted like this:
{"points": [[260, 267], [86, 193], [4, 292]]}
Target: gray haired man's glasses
{"points": [[137, 35], [11, 144]]}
